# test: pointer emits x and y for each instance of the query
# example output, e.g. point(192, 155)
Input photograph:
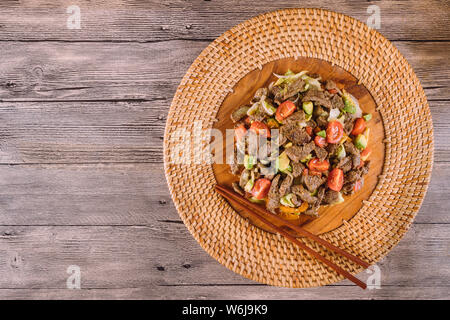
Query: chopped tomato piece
point(357, 186)
point(260, 128)
point(305, 172)
point(315, 173)
point(333, 91)
point(240, 132)
point(285, 110)
point(319, 141)
point(336, 179)
point(366, 153)
point(261, 188)
point(309, 130)
point(319, 166)
point(335, 131)
point(358, 128)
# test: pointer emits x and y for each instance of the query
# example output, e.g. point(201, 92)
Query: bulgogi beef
point(322, 142)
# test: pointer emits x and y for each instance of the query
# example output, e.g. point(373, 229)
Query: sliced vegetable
point(361, 142)
point(336, 179)
point(254, 200)
point(351, 104)
point(240, 132)
point(249, 161)
point(365, 154)
point(287, 200)
point(268, 108)
point(272, 123)
point(260, 128)
point(317, 165)
point(253, 109)
point(335, 131)
point(261, 188)
point(334, 114)
point(312, 82)
point(288, 145)
point(289, 76)
point(367, 116)
point(285, 110)
point(340, 153)
point(297, 211)
point(320, 141)
point(322, 134)
point(309, 130)
point(282, 162)
point(359, 126)
point(308, 107)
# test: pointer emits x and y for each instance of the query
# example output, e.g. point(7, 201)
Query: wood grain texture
point(143, 20)
point(47, 71)
point(81, 177)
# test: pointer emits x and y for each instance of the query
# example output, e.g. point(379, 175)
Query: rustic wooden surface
point(81, 177)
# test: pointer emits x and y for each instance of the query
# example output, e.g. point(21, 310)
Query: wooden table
point(81, 176)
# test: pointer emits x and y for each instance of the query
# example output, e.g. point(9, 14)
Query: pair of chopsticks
point(257, 212)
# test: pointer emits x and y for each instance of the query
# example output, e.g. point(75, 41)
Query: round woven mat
point(389, 211)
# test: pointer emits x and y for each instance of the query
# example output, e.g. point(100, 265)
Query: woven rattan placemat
point(379, 66)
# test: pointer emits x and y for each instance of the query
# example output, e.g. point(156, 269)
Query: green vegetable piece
point(349, 104)
point(249, 161)
point(361, 141)
point(282, 162)
point(315, 193)
point(255, 200)
point(287, 200)
point(322, 134)
point(308, 107)
point(249, 186)
point(268, 108)
point(340, 153)
point(367, 117)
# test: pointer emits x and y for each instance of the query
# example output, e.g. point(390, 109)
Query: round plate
point(374, 64)
point(330, 217)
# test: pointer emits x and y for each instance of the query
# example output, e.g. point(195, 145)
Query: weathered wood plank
point(114, 132)
point(105, 71)
point(143, 20)
point(163, 257)
point(126, 194)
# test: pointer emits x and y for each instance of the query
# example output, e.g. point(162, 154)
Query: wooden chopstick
point(294, 227)
point(250, 208)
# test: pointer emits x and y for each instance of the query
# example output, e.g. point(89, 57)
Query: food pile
point(321, 149)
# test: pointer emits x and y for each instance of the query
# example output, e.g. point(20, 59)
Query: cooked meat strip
point(296, 117)
point(356, 174)
point(318, 97)
point(297, 153)
point(331, 196)
point(267, 171)
point(294, 88)
point(321, 194)
point(297, 169)
point(350, 148)
point(312, 182)
point(303, 194)
point(285, 185)
point(273, 196)
point(322, 122)
point(345, 164)
point(321, 153)
point(348, 188)
point(237, 188)
point(337, 102)
point(295, 134)
point(356, 160)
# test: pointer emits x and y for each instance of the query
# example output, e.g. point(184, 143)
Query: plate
point(230, 69)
